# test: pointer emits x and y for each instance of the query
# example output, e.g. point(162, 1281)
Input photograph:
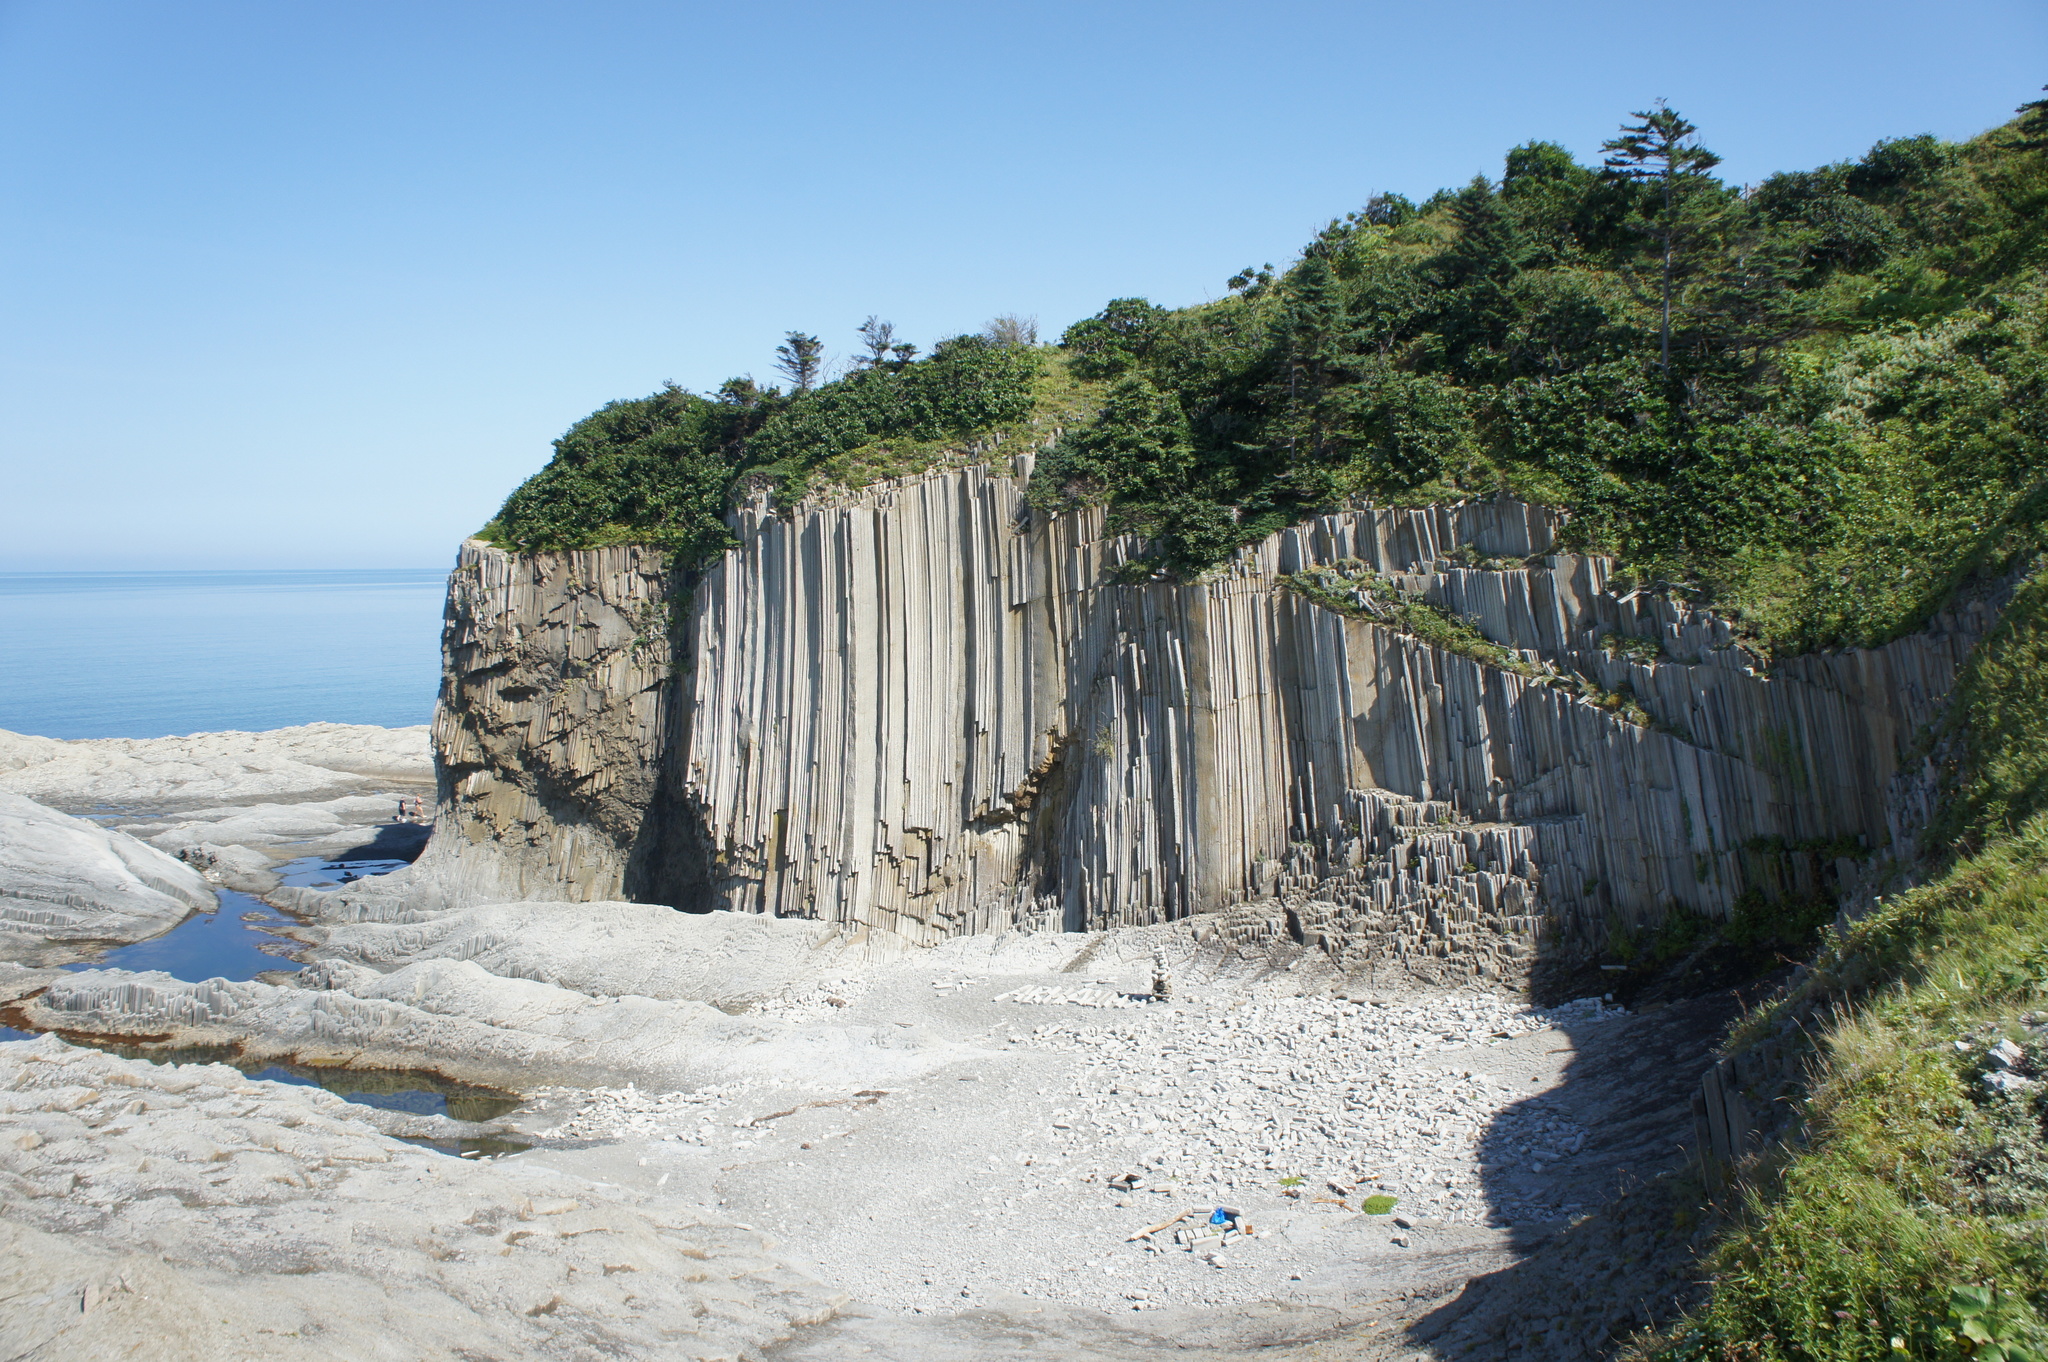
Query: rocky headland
point(1051, 904)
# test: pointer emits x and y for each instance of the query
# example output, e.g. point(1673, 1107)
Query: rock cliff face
point(552, 725)
point(923, 709)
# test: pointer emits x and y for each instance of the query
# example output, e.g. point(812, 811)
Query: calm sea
point(149, 654)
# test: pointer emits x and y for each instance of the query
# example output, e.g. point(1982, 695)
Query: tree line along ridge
point(1818, 403)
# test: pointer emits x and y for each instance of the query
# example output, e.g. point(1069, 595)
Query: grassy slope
point(1913, 1219)
point(1059, 401)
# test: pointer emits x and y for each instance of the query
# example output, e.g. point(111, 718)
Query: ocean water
point(151, 654)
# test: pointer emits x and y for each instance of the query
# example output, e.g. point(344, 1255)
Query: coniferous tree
point(1251, 280)
point(2034, 124)
point(1386, 210)
point(880, 339)
point(800, 357)
point(742, 392)
point(1661, 150)
point(1313, 322)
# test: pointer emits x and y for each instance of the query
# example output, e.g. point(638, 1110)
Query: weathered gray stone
point(312, 761)
point(923, 710)
point(67, 885)
point(190, 1212)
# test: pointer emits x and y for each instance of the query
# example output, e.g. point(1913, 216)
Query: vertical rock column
point(550, 733)
point(877, 700)
point(923, 709)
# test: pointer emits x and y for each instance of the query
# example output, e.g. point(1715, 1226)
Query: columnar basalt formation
point(925, 709)
point(550, 732)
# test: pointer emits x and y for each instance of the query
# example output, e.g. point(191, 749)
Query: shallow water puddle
point(239, 940)
point(409, 1090)
point(228, 943)
point(234, 942)
point(316, 872)
point(421, 1094)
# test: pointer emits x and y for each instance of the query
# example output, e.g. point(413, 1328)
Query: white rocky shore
point(237, 805)
point(312, 761)
point(959, 1148)
point(188, 1212)
point(67, 885)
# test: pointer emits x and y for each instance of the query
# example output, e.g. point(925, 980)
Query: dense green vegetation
point(1910, 1221)
point(662, 470)
point(1819, 401)
point(1844, 416)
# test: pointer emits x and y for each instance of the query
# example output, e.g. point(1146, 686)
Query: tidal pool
point(240, 940)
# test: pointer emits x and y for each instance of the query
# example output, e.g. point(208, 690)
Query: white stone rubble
point(1364, 1093)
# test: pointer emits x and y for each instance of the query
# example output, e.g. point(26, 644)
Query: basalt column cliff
point(923, 709)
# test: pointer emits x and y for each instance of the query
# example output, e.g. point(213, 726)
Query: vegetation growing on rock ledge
point(664, 469)
point(1820, 402)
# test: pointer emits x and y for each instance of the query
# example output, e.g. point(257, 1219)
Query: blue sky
point(294, 284)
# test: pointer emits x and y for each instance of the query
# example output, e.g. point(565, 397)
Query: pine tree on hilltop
point(800, 357)
point(880, 339)
point(1661, 149)
point(2034, 124)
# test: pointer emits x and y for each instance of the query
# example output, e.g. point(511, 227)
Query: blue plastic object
point(1220, 1218)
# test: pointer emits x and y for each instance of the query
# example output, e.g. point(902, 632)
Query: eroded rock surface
point(551, 733)
point(435, 1007)
point(308, 762)
point(187, 1212)
point(68, 885)
point(238, 806)
point(603, 949)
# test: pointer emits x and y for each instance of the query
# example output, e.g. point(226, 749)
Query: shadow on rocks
point(1612, 1231)
point(392, 842)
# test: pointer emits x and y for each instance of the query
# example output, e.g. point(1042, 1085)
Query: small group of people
point(412, 809)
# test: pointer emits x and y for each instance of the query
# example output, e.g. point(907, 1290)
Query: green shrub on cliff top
point(1846, 416)
point(661, 470)
point(651, 471)
point(1854, 414)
